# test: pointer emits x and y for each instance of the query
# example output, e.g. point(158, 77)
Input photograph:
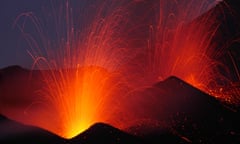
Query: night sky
point(11, 53)
point(13, 47)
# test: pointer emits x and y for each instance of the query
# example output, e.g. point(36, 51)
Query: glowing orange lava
point(81, 97)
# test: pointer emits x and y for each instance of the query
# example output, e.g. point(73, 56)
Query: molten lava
point(81, 97)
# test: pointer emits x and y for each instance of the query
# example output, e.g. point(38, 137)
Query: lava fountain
point(82, 97)
point(83, 83)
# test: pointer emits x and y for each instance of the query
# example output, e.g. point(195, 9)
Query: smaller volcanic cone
point(184, 110)
point(107, 134)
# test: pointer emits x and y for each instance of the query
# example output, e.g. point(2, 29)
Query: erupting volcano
point(110, 62)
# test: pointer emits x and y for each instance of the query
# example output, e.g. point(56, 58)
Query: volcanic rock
point(104, 133)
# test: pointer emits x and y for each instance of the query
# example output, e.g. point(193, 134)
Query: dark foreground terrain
point(190, 116)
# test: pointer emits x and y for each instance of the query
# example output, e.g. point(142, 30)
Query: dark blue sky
point(11, 53)
point(13, 47)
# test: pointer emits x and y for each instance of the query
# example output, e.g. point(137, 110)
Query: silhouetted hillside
point(14, 133)
point(103, 133)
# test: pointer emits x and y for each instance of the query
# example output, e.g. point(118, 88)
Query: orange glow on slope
point(185, 47)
